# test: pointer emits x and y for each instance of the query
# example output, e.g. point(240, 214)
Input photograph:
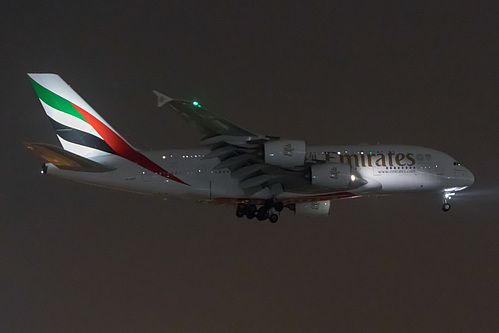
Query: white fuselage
point(386, 168)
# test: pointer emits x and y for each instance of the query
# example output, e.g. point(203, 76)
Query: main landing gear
point(267, 211)
point(447, 197)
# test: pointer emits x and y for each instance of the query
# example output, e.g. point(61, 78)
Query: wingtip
point(162, 98)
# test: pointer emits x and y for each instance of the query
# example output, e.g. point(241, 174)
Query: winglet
point(162, 98)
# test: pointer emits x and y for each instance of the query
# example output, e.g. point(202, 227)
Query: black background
point(76, 258)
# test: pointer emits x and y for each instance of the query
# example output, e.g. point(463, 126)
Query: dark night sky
point(74, 258)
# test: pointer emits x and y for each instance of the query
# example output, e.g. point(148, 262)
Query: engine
point(313, 208)
point(332, 175)
point(285, 153)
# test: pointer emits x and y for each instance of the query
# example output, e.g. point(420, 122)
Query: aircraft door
point(439, 169)
point(201, 172)
point(443, 167)
point(201, 186)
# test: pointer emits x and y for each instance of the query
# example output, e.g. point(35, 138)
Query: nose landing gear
point(447, 197)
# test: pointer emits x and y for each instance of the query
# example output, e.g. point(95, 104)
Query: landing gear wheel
point(261, 217)
point(250, 214)
point(240, 213)
point(262, 214)
point(446, 207)
point(273, 218)
point(278, 206)
point(251, 209)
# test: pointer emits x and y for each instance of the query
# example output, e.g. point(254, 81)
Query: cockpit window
point(457, 163)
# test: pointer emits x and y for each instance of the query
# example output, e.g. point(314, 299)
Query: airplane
point(258, 174)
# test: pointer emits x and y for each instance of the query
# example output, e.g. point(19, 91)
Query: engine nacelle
point(285, 153)
point(331, 175)
point(313, 208)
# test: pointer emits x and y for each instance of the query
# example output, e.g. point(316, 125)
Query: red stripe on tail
point(123, 149)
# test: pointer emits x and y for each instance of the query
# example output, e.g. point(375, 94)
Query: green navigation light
point(195, 103)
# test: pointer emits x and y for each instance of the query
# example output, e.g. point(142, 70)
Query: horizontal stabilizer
point(64, 159)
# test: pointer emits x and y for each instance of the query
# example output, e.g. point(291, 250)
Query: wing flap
point(247, 171)
point(255, 181)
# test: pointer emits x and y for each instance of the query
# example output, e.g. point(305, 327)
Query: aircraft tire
point(251, 209)
point(446, 207)
point(250, 215)
point(240, 213)
point(273, 218)
point(278, 206)
point(262, 214)
point(262, 210)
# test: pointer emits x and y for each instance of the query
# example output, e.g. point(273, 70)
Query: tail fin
point(79, 128)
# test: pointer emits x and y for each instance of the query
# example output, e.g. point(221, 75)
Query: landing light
point(449, 195)
point(352, 177)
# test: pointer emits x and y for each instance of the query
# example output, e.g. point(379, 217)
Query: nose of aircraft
point(468, 177)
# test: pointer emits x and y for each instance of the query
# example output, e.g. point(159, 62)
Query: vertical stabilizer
point(79, 128)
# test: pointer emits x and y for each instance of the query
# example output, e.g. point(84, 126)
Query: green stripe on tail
point(56, 101)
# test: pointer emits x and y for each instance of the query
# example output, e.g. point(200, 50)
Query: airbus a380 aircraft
point(259, 174)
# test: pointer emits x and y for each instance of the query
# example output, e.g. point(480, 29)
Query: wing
point(208, 122)
point(242, 152)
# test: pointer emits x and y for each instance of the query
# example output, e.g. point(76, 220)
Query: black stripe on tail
point(80, 137)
